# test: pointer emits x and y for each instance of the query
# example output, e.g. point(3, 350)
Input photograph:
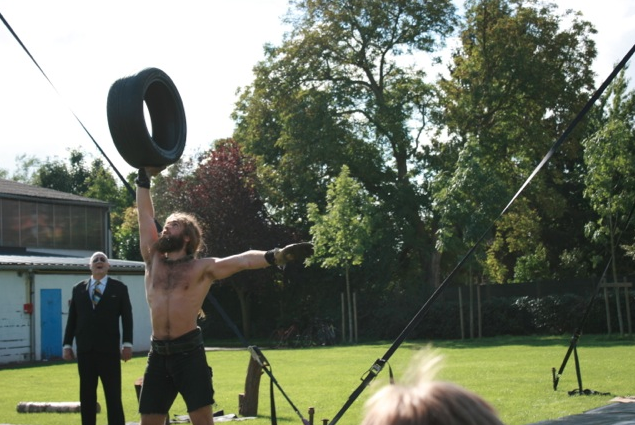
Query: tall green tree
point(609, 155)
point(342, 234)
point(521, 73)
point(345, 87)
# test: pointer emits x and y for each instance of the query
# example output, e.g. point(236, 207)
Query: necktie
point(96, 293)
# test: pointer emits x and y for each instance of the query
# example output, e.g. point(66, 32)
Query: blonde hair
point(422, 401)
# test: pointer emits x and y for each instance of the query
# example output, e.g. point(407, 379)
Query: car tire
point(127, 123)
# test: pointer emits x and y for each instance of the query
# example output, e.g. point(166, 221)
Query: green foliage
point(335, 93)
point(342, 233)
point(609, 156)
point(610, 159)
point(515, 80)
point(126, 237)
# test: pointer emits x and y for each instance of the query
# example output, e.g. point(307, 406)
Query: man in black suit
point(97, 305)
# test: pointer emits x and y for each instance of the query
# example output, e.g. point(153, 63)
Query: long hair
point(192, 230)
point(421, 400)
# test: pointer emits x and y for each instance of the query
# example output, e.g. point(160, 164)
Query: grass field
point(513, 373)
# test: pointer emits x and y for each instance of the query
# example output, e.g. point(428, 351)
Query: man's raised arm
point(148, 233)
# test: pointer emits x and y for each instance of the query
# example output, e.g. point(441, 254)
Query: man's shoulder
point(81, 283)
point(115, 282)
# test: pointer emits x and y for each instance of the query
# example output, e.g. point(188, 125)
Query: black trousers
point(92, 366)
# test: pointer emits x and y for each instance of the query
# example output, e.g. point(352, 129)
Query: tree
point(26, 167)
point(609, 155)
point(344, 88)
point(342, 234)
point(515, 82)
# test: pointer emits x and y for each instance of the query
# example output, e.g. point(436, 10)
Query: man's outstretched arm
point(224, 267)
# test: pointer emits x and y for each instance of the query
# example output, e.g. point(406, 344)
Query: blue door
point(51, 323)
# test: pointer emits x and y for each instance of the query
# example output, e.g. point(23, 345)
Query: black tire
point(127, 124)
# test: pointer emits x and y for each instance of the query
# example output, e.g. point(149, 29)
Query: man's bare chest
point(168, 277)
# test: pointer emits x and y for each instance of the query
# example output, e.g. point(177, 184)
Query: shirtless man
point(176, 283)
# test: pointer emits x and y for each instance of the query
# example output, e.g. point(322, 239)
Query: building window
point(44, 225)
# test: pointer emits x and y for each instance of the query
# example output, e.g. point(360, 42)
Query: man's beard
point(167, 244)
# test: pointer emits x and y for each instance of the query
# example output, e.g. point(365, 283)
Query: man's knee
point(154, 419)
point(202, 416)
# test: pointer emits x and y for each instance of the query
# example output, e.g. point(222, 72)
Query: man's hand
point(145, 174)
point(293, 252)
point(126, 353)
point(153, 171)
point(68, 354)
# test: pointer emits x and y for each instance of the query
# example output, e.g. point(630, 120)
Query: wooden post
point(617, 285)
point(607, 308)
point(343, 318)
point(618, 307)
point(480, 314)
point(355, 314)
point(627, 291)
point(461, 314)
point(248, 402)
point(471, 312)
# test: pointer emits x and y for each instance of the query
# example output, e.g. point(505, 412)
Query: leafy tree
point(126, 237)
point(344, 88)
point(515, 82)
point(609, 155)
point(57, 175)
point(342, 234)
point(26, 167)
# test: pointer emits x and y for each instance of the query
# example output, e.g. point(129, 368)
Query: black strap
point(274, 418)
point(379, 364)
point(258, 356)
point(578, 331)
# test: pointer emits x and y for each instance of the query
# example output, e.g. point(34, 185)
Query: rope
point(124, 181)
point(379, 363)
point(260, 357)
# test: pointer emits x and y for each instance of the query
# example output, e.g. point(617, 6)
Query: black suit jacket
point(98, 328)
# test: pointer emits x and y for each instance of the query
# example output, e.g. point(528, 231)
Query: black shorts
point(186, 373)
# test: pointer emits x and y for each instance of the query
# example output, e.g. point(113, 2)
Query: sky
point(207, 47)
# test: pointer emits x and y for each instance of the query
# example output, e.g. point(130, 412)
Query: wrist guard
point(270, 256)
point(142, 179)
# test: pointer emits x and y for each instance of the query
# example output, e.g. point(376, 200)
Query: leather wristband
point(142, 179)
point(270, 256)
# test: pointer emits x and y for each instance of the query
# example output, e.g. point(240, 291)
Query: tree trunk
point(248, 402)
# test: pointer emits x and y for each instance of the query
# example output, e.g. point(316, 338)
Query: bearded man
point(177, 282)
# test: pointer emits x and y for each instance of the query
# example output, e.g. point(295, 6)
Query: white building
point(34, 299)
point(46, 240)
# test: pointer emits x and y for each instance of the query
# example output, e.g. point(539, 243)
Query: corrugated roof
point(17, 190)
point(19, 262)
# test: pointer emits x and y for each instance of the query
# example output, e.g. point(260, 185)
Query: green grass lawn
point(513, 373)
